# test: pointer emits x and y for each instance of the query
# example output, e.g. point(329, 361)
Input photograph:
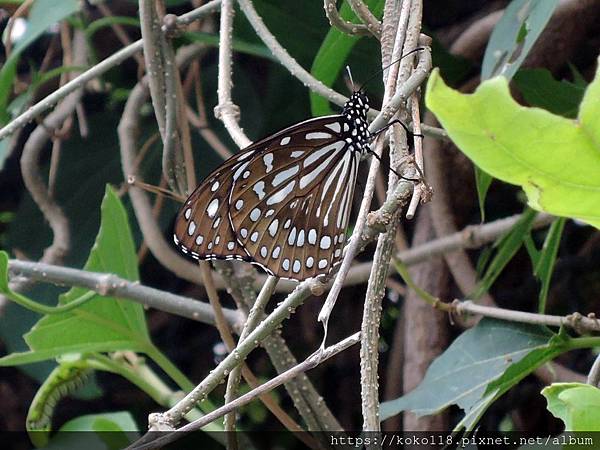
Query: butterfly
point(282, 203)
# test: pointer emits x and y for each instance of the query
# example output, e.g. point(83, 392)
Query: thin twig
point(344, 26)
point(310, 363)
point(366, 16)
point(198, 13)
point(369, 344)
point(176, 172)
point(574, 321)
point(120, 32)
point(418, 144)
point(226, 110)
point(307, 400)
point(284, 57)
point(30, 166)
point(94, 72)
point(227, 338)
point(200, 122)
point(279, 314)
point(407, 34)
point(234, 377)
point(153, 51)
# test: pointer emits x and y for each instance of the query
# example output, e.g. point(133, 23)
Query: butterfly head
point(357, 106)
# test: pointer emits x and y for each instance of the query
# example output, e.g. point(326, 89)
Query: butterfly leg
point(393, 122)
point(414, 180)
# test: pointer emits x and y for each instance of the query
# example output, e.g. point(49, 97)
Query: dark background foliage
point(271, 99)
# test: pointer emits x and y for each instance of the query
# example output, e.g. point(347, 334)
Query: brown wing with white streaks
point(292, 218)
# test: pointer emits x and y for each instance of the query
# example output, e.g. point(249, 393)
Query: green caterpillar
point(62, 381)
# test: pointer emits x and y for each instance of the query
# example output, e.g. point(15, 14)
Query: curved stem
point(40, 308)
point(169, 368)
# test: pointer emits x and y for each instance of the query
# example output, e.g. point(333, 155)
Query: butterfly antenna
point(418, 49)
point(351, 79)
point(133, 181)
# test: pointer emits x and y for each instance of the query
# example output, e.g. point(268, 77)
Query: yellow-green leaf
point(554, 159)
point(576, 404)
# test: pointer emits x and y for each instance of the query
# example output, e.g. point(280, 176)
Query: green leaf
point(92, 162)
point(576, 404)
point(534, 253)
point(479, 366)
point(510, 42)
point(554, 159)
point(482, 182)
point(332, 55)
point(540, 89)
point(514, 35)
point(117, 421)
point(43, 14)
point(545, 265)
point(103, 323)
point(106, 431)
point(4, 150)
point(506, 247)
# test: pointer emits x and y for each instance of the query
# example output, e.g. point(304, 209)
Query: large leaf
point(103, 323)
point(514, 35)
point(554, 159)
point(510, 42)
point(479, 366)
point(576, 404)
point(85, 168)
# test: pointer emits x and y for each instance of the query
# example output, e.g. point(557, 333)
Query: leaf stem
point(169, 368)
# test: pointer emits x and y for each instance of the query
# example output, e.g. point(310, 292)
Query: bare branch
point(366, 16)
point(226, 110)
point(310, 363)
point(307, 400)
point(30, 165)
point(108, 284)
point(266, 327)
point(343, 25)
point(284, 57)
point(94, 72)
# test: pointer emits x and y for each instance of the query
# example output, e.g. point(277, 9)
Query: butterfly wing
point(290, 206)
point(282, 203)
point(202, 227)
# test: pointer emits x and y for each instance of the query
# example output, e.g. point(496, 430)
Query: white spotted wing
point(292, 218)
point(283, 202)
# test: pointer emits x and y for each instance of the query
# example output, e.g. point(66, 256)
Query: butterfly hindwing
point(202, 228)
point(292, 218)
